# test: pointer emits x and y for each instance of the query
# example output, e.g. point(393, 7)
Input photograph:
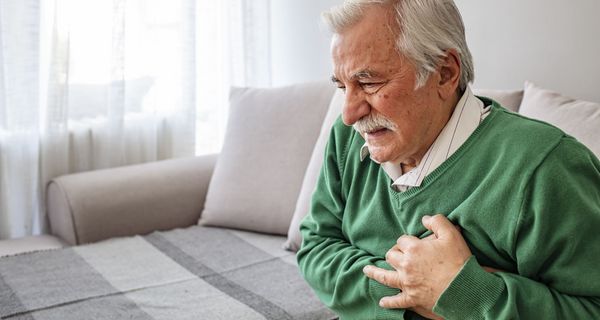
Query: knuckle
point(391, 255)
point(396, 303)
point(438, 218)
point(411, 247)
point(404, 301)
point(384, 278)
point(404, 265)
point(403, 237)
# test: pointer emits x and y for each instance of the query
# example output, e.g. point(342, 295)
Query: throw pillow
point(312, 173)
point(578, 118)
point(510, 99)
point(268, 143)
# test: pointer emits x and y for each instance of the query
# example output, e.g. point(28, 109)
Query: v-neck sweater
point(527, 199)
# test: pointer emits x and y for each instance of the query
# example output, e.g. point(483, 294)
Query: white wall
point(554, 43)
point(300, 41)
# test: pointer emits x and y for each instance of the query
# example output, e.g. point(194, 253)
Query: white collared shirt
point(468, 114)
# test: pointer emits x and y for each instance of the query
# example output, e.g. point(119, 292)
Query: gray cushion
point(311, 176)
point(269, 140)
point(510, 99)
point(578, 118)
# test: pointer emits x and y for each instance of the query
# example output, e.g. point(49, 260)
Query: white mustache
point(373, 122)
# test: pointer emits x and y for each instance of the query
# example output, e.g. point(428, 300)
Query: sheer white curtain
point(234, 49)
point(19, 99)
point(90, 84)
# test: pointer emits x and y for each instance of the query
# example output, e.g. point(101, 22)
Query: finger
point(406, 242)
point(399, 301)
point(433, 236)
point(430, 237)
point(385, 277)
point(394, 256)
point(439, 225)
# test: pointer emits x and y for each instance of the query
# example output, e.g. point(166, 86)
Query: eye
point(371, 87)
point(338, 84)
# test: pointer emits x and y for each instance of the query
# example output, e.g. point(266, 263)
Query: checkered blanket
point(193, 273)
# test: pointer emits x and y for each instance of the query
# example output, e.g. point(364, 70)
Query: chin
point(379, 155)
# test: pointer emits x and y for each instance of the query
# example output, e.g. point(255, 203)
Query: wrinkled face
point(379, 84)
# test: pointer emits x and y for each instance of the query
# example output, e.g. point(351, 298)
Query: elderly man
point(438, 203)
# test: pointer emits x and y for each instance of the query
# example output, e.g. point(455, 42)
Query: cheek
point(396, 107)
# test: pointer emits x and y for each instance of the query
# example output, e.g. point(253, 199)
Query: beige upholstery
point(311, 176)
point(28, 244)
point(509, 99)
point(270, 137)
point(139, 199)
point(578, 118)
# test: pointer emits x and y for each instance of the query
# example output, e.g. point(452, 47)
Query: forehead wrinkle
point(364, 74)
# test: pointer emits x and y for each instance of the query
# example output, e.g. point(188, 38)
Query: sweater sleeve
point(556, 248)
point(328, 261)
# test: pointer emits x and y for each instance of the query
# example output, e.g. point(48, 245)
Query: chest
point(375, 215)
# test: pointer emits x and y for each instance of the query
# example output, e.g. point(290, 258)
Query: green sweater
point(526, 196)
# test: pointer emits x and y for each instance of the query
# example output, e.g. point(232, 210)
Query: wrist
point(471, 293)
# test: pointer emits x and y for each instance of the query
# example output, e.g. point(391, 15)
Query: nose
point(355, 106)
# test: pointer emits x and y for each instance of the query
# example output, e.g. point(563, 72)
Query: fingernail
point(426, 218)
point(366, 269)
point(381, 303)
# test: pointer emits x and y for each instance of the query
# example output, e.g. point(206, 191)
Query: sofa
point(207, 237)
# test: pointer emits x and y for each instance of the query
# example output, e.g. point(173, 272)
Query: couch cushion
point(269, 140)
point(510, 99)
point(29, 244)
point(312, 173)
point(578, 118)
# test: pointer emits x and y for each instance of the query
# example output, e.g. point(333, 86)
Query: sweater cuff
point(378, 291)
point(471, 294)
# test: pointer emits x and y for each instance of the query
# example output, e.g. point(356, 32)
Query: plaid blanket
point(193, 273)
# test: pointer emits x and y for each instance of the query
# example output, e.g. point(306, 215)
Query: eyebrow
point(362, 74)
point(365, 74)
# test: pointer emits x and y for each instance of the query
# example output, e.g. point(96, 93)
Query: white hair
point(428, 28)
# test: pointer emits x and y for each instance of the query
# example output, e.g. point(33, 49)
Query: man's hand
point(423, 267)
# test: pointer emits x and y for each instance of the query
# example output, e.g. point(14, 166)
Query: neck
point(406, 167)
point(437, 126)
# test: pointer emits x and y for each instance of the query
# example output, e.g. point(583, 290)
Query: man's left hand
point(423, 267)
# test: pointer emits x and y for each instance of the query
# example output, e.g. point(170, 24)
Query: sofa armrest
point(97, 205)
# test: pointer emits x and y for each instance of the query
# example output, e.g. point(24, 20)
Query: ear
point(449, 71)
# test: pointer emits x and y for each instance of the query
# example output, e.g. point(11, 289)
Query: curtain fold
point(19, 101)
